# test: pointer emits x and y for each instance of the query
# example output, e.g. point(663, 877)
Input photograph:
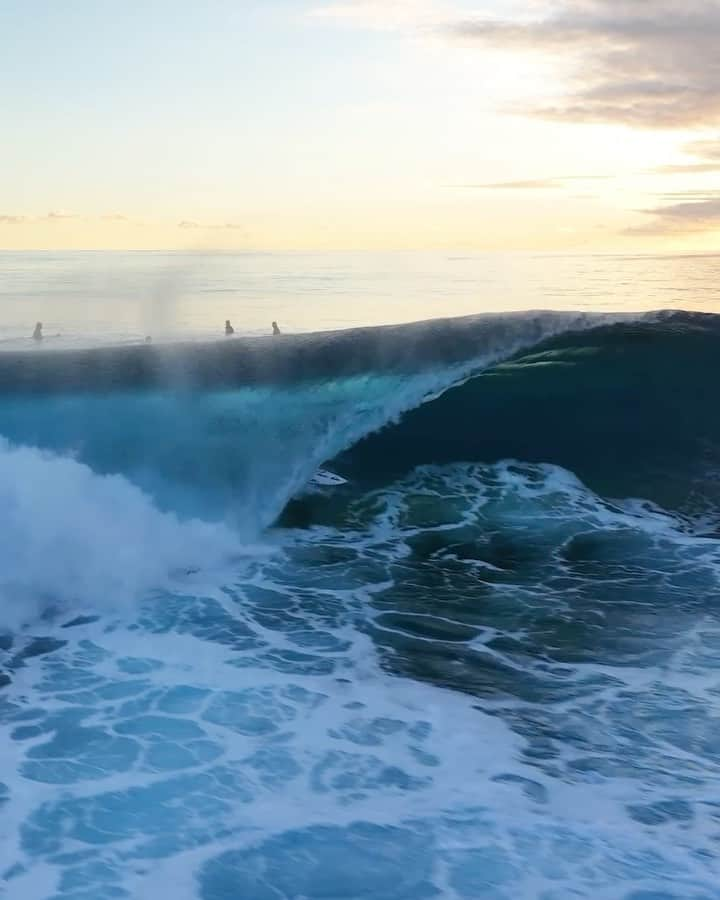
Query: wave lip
point(289, 359)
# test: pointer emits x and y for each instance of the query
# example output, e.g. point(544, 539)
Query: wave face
point(484, 667)
point(234, 429)
point(630, 408)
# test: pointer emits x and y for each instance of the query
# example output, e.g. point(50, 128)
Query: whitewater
point(484, 667)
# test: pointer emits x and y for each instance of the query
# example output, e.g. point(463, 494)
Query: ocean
point(486, 665)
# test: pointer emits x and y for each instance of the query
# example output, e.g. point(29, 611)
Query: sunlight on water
point(98, 297)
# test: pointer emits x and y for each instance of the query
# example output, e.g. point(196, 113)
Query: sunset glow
point(503, 125)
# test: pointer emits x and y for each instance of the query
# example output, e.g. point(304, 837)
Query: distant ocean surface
point(486, 664)
point(106, 297)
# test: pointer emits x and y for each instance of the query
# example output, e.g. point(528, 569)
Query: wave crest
point(73, 539)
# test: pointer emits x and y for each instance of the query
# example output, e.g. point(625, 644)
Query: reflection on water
point(113, 297)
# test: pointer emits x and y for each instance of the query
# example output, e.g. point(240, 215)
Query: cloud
point(686, 195)
point(24, 220)
point(689, 211)
point(228, 226)
point(533, 184)
point(232, 226)
point(57, 216)
point(644, 63)
point(688, 168)
point(706, 151)
point(687, 217)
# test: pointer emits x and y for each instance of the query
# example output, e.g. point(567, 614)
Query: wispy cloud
point(676, 196)
point(230, 226)
point(26, 220)
point(54, 216)
point(59, 217)
point(682, 218)
point(646, 64)
point(688, 168)
point(532, 184)
point(688, 211)
point(707, 154)
point(706, 149)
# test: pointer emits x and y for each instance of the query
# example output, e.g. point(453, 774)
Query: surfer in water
point(37, 334)
point(228, 328)
point(275, 328)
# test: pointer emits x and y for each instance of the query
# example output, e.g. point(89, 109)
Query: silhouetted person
point(37, 334)
point(275, 328)
point(228, 328)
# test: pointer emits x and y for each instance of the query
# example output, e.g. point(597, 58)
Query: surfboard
point(325, 478)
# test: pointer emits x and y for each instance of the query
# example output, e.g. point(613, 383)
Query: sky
point(559, 125)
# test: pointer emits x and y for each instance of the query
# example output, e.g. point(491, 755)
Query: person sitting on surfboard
point(228, 328)
point(275, 328)
point(37, 334)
